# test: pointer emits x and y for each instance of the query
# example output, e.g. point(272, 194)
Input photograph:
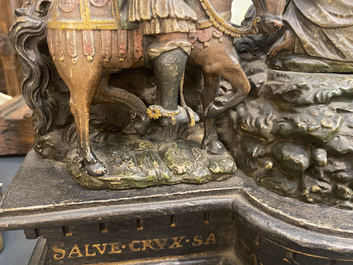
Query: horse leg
point(108, 94)
point(82, 89)
point(284, 43)
point(228, 67)
point(210, 141)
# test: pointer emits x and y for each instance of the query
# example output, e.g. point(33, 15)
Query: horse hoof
point(96, 169)
point(214, 147)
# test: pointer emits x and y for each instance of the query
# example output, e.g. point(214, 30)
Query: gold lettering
point(197, 241)
point(101, 250)
point(161, 242)
point(133, 247)
point(59, 253)
point(177, 242)
point(75, 251)
point(115, 248)
point(211, 239)
point(87, 251)
point(147, 244)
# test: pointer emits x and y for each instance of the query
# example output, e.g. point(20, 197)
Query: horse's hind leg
point(82, 86)
point(228, 67)
point(210, 141)
point(109, 94)
point(285, 43)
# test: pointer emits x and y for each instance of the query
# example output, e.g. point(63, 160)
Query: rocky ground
point(294, 134)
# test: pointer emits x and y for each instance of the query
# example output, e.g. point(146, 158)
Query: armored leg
point(169, 68)
point(170, 57)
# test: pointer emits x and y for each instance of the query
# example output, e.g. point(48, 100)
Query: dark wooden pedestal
point(188, 224)
point(229, 222)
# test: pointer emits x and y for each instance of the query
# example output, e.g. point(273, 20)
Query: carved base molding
point(227, 222)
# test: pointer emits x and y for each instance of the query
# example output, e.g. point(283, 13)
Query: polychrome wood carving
point(90, 40)
point(136, 93)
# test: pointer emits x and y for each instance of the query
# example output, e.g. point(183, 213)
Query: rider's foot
point(182, 115)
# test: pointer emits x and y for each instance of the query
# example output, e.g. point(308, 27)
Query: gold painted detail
point(206, 23)
point(191, 116)
point(221, 24)
point(121, 45)
point(172, 115)
point(86, 22)
point(77, 251)
point(306, 254)
point(155, 112)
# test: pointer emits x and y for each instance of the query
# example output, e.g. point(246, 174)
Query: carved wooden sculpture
point(89, 40)
point(179, 86)
point(319, 34)
point(294, 134)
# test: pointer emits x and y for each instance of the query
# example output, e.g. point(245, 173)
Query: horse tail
point(28, 35)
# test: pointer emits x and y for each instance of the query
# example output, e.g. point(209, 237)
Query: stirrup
point(191, 115)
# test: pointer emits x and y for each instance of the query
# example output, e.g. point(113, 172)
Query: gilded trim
point(86, 22)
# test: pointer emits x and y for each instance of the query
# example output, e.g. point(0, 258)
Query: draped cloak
point(162, 16)
point(324, 28)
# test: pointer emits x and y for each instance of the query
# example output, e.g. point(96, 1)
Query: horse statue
point(88, 40)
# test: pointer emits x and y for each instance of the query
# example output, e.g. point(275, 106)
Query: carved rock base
point(134, 162)
point(294, 134)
